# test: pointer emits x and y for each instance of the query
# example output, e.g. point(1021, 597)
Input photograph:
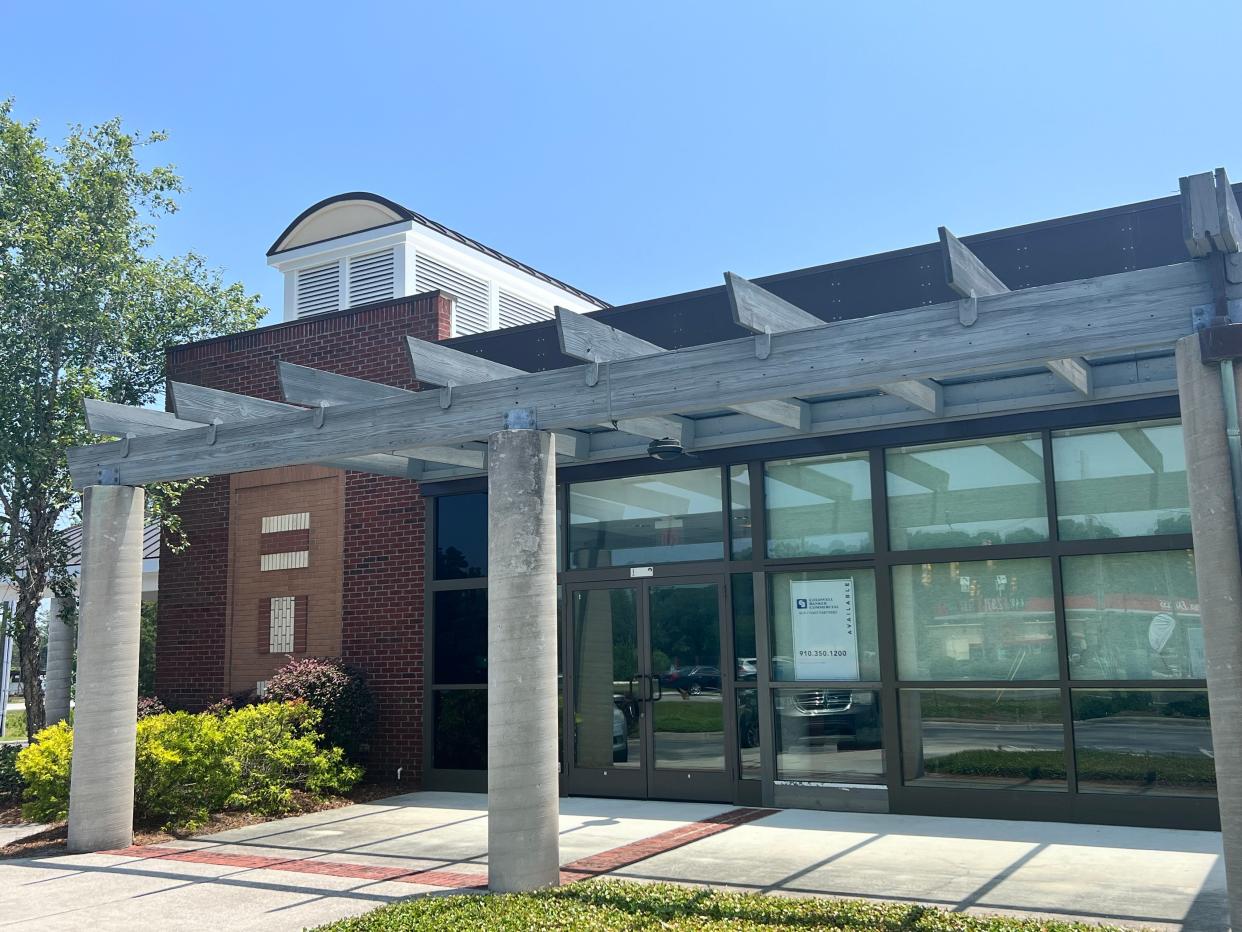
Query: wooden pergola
point(989, 352)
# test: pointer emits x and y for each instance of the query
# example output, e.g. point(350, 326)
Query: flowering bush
point(337, 691)
point(150, 705)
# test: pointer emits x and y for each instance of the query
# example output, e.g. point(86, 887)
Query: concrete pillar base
point(101, 790)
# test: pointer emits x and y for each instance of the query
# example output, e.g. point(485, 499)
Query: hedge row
point(606, 905)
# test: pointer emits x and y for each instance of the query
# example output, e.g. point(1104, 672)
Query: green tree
point(86, 311)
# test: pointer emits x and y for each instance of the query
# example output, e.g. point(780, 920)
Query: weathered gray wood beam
point(107, 417)
point(922, 393)
point(1200, 214)
point(966, 274)
point(758, 310)
point(1228, 236)
point(963, 270)
point(1144, 309)
point(434, 364)
point(316, 388)
point(1076, 371)
point(591, 340)
point(199, 405)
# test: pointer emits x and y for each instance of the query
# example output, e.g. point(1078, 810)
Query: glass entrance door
point(649, 695)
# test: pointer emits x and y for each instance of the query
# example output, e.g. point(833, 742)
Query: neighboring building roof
point(1119, 239)
point(150, 543)
point(399, 214)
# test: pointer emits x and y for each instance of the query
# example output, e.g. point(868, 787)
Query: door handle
point(632, 684)
point(656, 685)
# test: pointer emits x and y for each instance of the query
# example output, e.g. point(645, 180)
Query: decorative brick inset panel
point(284, 541)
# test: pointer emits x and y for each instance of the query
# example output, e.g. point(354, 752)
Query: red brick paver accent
point(582, 869)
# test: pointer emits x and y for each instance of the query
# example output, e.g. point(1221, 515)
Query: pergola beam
point(316, 388)
point(593, 341)
point(210, 407)
point(758, 310)
point(1122, 313)
point(967, 275)
point(433, 364)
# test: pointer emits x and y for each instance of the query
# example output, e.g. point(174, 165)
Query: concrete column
point(60, 638)
point(1219, 576)
point(101, 790)
point(523, 845)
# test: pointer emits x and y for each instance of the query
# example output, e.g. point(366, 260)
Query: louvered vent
point(470, 313)
point(319, 289)
point(371, 278)
point(515, 310)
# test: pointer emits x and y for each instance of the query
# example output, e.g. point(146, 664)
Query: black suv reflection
point(853, 713)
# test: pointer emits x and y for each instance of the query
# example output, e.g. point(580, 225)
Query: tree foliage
point(86, 311)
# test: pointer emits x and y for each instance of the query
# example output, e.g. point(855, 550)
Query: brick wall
point(384, 526)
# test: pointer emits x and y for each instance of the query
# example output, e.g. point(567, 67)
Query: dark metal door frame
point(647, 780)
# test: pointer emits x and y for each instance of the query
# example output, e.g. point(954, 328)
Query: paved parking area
point(311, 869)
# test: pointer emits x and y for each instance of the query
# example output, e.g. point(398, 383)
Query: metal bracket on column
point(520, 419)
point(109, 476)
point(968, 310)
point(763, 343)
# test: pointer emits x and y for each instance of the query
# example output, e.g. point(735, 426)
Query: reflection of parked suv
point(832, 712)
point(692, 680)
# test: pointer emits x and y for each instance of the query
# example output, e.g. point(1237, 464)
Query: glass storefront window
point(968, 494)
point(662, 518)
point(460, 635)
point(747, 701)
point(818, 506)
point(740, 524)
point(745, 653)
point(461, 536)
point(460, 728)
point(983, 620)
point(1153, 742)
point(824, 625)
point(1133, 616)
point(1011, 738)
point(1122, 481)
point(828, 735)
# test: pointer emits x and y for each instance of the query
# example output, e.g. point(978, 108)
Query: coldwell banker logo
point(802, 603)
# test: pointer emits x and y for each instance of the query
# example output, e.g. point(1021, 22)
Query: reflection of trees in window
point(461, 729)
point(980, 620)
point(451, 563)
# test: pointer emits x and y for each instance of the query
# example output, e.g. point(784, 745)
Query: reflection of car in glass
point(747, 668)
point(620, 744)
point(692, 681)
point(833, 712)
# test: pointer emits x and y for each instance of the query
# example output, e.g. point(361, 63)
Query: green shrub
point(615, 906)
point(273, 749)
point(44, 768)
point(10, 779)
point(179, 775)
point(187, 766)
point(339, 692)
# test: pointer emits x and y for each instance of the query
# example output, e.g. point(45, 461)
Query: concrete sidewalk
point(311, 869)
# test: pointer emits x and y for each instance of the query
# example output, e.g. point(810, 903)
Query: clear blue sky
point(639, 149)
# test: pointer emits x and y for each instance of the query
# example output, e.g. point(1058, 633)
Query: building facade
point(978, 614)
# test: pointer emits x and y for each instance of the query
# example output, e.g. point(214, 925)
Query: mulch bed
point(52, 841)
